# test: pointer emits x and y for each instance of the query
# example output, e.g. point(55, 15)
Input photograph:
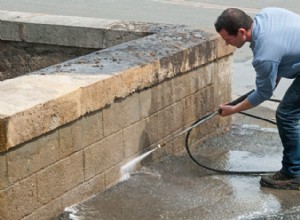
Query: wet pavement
point(176, 188)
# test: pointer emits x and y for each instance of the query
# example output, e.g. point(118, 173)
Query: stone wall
point(67, 130)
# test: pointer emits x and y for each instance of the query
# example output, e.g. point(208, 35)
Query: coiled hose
point(200, 120)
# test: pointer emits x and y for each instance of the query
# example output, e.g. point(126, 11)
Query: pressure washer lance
point(202, 120)
point(205, 118)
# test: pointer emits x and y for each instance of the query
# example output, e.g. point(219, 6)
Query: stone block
point(140, 136)
point(4, 121)
point(49, 210)
point(205, 52)
point(165, 94)
point(186, 84)
point(113, 176)
point(81, 133)
point(170, 119)
point(101, 91)
point(148, 102)
point(18, 126)
point(204, 130)
point(32, 157)
point(11, 31)
point(211, 105)
point(84, 191)
point(149, 74)
point(63, 35)
point(195, 106)
point(221, 48)
point(70, 139)
point(103, 155)
point(167, 67)
point(91, 128)
point(157, 98)
point(19, 199)
point(121, 114)
point(59, 178)
point(222, 81)
point(130, 80)
point(206, 74)
point(4, 182)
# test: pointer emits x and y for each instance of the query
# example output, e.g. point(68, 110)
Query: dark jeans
point(288, 118)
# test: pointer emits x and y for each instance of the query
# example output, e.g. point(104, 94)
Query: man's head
point(234, 26)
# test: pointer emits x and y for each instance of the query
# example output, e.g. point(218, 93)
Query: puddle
point(243, 148)
point(247, 196)
point(240, 161)
point(243, 160)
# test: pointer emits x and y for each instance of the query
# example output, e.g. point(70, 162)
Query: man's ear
point(242, 31)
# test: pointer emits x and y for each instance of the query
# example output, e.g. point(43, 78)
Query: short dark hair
point(232, 19)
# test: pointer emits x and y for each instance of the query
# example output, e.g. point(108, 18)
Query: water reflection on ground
point(176, 188)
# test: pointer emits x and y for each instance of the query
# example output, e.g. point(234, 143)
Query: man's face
point(236, 41)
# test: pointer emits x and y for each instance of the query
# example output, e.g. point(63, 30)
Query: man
point(274, 36)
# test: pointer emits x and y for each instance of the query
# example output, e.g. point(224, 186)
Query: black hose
point(218, 170)
point(257, 117)
point(198, 122)
point(225, 171)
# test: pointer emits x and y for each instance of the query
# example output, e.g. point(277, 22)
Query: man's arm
point(229, 110)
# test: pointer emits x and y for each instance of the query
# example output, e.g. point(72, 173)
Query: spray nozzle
point(161, 145)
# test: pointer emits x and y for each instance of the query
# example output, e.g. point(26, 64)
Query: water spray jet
point(127, 169)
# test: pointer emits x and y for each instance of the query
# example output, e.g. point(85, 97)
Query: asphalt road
point(191, 12)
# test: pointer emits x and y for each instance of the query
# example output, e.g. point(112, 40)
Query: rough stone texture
point(121, 114)
point(59, 178)
point(140, 136)
point(18, 58)
point(32, 157)
point(44, 212)
point(3, 172)
point(67, 130)
point(19, 199)
point(85, 190)
point(103, 155)
point(81, 133)
point(113, 175)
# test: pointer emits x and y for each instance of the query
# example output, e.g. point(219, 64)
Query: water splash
point(73, 213)
point(127, 169)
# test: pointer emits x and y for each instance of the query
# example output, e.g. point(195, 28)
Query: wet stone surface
point(176, 188)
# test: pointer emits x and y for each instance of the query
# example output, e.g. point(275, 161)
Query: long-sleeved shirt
point(276, 50)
